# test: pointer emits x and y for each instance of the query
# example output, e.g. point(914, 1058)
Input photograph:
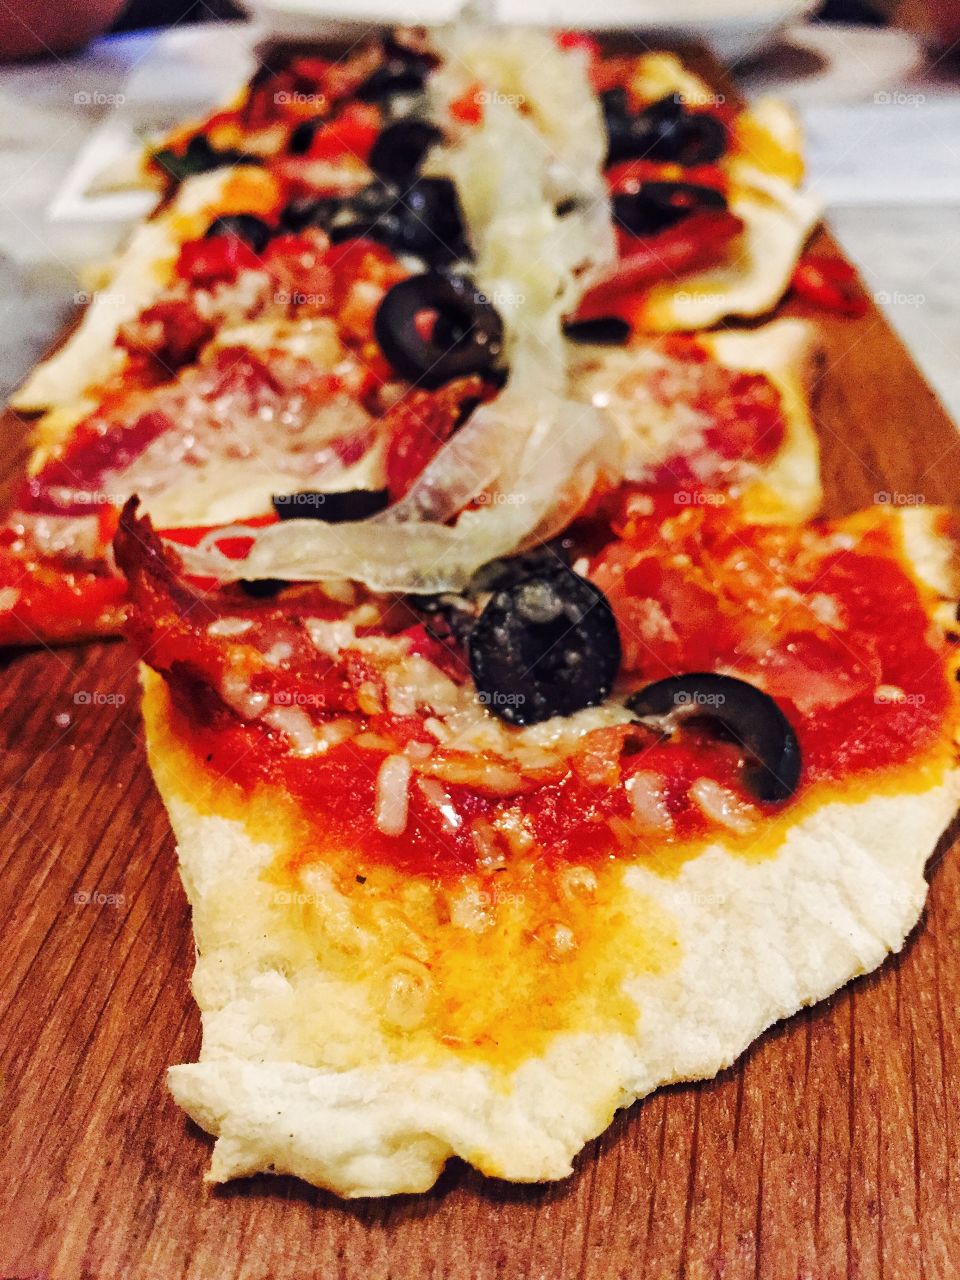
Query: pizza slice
point(280, 342)
point(710, 221)
point(470, 872)
point(316, 113)
point(715, 415)
point(272, 347)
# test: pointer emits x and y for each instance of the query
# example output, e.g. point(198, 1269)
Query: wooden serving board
point(831, 1149)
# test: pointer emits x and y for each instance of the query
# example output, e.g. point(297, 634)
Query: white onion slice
point(532, 457)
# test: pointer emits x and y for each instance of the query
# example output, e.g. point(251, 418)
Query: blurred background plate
point(732, 29)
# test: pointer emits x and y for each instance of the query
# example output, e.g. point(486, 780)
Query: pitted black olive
point(244, 226)
point(748, 714)
point(309, 212)
point(301, 140)
point(262, 588)
point(545, 646)
point(605, 331)
point(425, 220)
point(399, 150)
point(466, 335)
point(662, 131)
point(623, 142)
point(402, 71)
point(659, 205)
point(701, 139)
point(434, 226)
point(200, 157)
point(497, 575)
point(453, 615)
point(679, 136)
point(331, 508)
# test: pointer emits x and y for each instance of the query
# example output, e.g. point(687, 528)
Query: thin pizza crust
point(764, 170)
point(65, 381)
point(743, 940)
point(778, 220)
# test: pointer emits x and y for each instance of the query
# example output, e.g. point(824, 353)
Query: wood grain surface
point(831, 1149)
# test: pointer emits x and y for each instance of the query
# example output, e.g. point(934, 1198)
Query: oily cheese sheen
point(788, 353)
point(297, 1073)
point(89, 356)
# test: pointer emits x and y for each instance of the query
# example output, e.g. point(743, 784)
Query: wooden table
point(831, 1149)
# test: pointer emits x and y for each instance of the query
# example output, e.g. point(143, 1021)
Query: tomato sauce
point(867, 692)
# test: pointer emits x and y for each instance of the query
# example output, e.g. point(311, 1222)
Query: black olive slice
point(466, 336)
point(702, 140)
point(301, 140)
point(433, 225)
point(402, 71)
point(245, 226)
point(662, 131)
point(659, 205)
point(451, 616)
point(622, 143)
point(604, 331)
point(309, 212)
point(746, 712)
point(425, 221)
point(262, 588)
point(398, 152)
point(331, 508)
point(497, 575)
point(545, 646)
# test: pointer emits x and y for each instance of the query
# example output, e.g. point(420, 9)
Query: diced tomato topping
point(468, 108)
point(215, 260)
point(579, 40)
point(353, 133)
point(829, 283)
point(171, 332)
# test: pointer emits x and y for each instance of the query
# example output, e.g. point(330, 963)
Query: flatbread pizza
point(468, 884)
